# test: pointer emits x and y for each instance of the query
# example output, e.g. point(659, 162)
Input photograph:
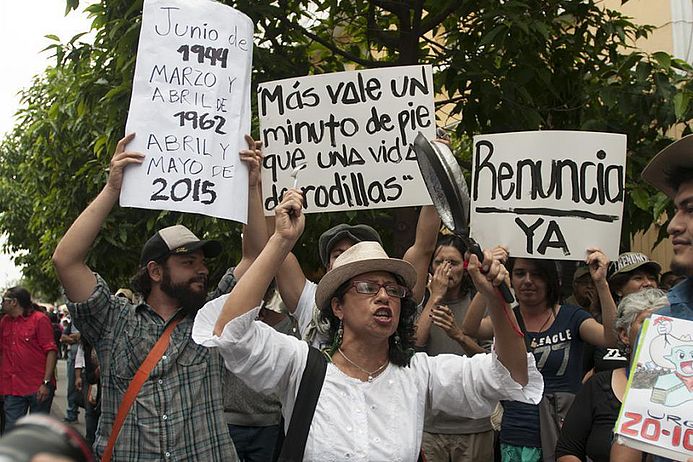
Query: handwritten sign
point(354, 131)
point(190, 108)
point(658, 402)
point(548, 194)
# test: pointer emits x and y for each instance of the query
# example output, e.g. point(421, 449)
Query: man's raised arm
point(255, 231)
point(70, 254)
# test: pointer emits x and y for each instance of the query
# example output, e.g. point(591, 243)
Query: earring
point(398, 341)
point(337, 340)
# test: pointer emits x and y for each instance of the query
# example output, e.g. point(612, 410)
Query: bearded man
point(178, 413)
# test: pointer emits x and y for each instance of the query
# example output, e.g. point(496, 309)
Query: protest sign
point(548, 194)
point(657, 411)
point(190, 108)
point(354, 132)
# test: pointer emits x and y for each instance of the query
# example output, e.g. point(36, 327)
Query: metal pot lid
point(445, 183)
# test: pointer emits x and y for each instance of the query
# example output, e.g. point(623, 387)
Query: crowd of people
point(383, 359)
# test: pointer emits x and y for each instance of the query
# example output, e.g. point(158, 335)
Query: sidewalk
point(60, 399)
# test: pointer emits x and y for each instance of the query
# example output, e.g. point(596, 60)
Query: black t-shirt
point(587, 429)
point(603, 359)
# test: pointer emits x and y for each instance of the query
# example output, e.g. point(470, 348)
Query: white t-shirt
point(363, 421)
point(308, 318)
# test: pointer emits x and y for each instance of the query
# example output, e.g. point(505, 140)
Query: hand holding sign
point(598, 264)
point(121, 159)
point(253, 159)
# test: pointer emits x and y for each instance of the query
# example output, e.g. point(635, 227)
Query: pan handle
point(503, 287)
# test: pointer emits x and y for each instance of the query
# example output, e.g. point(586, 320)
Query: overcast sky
point(23, 25)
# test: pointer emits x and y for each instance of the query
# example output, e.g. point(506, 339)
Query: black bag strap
point(521, 324)
point(294, 443)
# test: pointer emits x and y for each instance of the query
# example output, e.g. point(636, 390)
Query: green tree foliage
point(504, 66)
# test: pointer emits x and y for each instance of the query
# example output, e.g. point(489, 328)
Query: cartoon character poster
point(657, 414)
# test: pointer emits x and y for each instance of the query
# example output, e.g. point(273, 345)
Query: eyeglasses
point(8, 299)
point(372, 288)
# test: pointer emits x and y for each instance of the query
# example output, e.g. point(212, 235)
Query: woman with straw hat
point(376, 391)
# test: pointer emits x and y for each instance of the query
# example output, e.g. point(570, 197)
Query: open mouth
point(383, 314)
point(687, 367)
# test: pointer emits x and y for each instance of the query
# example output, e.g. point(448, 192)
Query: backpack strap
point(293, 444)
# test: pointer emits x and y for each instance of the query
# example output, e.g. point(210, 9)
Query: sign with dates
point(657, 413)
point(190, 108)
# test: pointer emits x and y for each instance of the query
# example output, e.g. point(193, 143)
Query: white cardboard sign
point(354, 131)
point(548, 194)
point(190, 108)
point(658, 402)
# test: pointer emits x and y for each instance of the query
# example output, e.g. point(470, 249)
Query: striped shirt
point(178, 414)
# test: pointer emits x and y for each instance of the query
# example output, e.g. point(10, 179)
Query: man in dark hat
point(671, 171)
point(178, 412)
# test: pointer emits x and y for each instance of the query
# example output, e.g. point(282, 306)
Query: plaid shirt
point(179, 413)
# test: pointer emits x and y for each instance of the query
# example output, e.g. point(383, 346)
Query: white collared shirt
point(380, 420)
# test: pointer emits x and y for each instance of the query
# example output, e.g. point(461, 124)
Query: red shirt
point(24, 346)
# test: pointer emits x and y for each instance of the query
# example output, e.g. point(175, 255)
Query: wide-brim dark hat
point(176, 240)
point(363, 257)
point(355, 233)
point(676, 156)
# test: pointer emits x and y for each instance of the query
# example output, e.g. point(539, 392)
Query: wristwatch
point(47, 383)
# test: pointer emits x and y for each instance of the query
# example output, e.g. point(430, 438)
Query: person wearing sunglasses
point(376, 391)
point(28, 354)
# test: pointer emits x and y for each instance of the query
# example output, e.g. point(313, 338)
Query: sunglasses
point(371, 288)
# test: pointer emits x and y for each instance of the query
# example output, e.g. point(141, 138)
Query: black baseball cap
point(176, 240)
point(356, 233)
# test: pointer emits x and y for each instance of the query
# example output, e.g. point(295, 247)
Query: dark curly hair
point(399, 353)
point(141, 283)
point(548, 271)
point(677, 176)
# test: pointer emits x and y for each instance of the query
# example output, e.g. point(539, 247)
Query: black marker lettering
point(529, 232)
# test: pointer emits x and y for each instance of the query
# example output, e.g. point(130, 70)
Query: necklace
point(541, 329)
point(370, 374)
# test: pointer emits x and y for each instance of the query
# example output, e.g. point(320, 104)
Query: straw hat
point(364, 257)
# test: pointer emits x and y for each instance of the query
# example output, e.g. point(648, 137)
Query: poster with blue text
point(190, 108)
